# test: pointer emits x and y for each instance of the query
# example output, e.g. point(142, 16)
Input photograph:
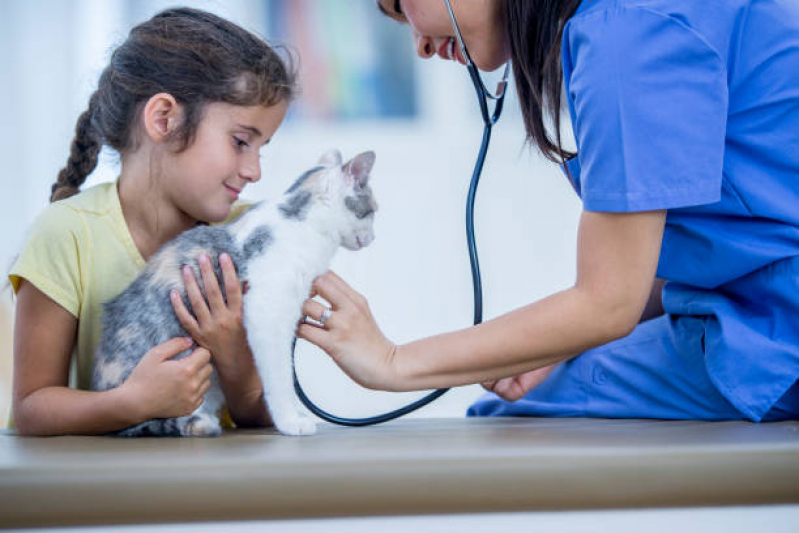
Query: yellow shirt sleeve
point(51, 257)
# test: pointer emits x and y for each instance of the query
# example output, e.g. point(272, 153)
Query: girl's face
point(204, 180)
point(481, 22)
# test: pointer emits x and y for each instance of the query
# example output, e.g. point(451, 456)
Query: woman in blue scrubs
point(686, 303)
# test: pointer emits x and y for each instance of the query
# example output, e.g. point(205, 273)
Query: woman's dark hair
point(198, 58)
point(535, 30)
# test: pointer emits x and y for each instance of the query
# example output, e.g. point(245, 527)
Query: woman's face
point(481, 22)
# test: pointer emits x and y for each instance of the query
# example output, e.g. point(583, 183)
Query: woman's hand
point(516, 387)
point(350, 334)
point(160, 387)
point(217, 325)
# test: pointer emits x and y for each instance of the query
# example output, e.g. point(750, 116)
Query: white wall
point(416, 274)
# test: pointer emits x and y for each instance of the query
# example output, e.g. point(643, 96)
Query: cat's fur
point(278, 248)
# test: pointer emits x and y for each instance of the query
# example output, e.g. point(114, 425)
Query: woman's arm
point(43, 404)
point(654, 306)
point(616, 263)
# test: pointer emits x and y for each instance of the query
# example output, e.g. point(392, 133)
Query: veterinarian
point(188, 138)
point(686, 302)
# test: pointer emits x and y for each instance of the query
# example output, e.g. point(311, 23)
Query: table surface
point(412, 466)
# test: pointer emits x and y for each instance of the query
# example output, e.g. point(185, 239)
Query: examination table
point(407, 467)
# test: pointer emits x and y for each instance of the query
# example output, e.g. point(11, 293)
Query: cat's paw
point(296, 426)
point(201, 426)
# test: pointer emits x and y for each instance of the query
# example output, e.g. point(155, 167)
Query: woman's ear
point(161, 113)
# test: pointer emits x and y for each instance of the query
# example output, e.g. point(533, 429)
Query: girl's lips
point(232, 191)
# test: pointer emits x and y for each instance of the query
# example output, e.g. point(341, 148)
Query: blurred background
point(363, 89)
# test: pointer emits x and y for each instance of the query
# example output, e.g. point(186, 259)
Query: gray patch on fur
point(296, 206)
point(361, 204)
point(142, 315)
point(299, 181)
point(257, 242)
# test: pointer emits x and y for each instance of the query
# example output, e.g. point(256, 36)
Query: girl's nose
point(424, 46)
point(251, 169)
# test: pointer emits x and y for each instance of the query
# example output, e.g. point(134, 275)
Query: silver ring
point(325, 316)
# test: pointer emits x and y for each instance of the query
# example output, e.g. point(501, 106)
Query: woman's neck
point(151, 218)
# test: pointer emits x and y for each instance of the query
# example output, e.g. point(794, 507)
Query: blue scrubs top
point(694, 107)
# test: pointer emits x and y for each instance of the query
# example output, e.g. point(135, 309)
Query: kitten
point(278, 248)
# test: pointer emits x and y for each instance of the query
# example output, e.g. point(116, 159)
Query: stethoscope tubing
point(477, 286)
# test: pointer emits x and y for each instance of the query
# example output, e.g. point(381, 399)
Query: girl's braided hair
point(195, 56)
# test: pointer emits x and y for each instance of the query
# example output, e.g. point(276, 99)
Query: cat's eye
point(398, 8)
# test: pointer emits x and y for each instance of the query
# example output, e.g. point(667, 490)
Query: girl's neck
point(151, 219)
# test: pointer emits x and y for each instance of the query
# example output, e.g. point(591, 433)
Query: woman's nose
point(424, 46)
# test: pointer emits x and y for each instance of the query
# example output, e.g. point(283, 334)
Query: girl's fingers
point(211, 284)
point(198, 359)
point(184, 316)
point(195, 295)
point(231, 281)
point(204, 388)
point(205, 372)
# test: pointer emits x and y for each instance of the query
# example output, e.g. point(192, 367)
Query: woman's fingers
point(315, 335)
point(344, 288)
point(329, 289)
point(211, 284)
point(233, 289)
point(314, 309)
point(195, 295)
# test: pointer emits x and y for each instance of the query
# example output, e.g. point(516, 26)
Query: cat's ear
point(331, 158)
point(358, 168)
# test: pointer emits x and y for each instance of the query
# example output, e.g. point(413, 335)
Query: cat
point(278, 249)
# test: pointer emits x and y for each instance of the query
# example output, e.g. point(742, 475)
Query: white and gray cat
point(278, 248)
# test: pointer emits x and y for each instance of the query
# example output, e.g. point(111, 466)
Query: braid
point(83, 156)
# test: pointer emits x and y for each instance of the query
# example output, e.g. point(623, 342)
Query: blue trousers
point(642, 375)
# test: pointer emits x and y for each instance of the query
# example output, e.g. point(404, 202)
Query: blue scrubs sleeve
point(648, 98)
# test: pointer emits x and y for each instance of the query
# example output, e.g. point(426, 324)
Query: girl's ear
point(358, 168)
point(331, 158)
point(160, 116)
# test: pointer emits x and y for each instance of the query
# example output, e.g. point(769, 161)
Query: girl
point(187, 101)
point(686, 302)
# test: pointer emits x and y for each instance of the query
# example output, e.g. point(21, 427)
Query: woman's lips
point(450, 50)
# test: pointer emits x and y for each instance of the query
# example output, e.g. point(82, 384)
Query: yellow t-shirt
point(79, 252)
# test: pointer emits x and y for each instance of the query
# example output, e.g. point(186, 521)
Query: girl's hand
point(220, 327)
point(160, 387)
point(350, 334)
point(511, 389)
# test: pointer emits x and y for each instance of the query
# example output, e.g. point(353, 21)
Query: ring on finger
point(325, 315)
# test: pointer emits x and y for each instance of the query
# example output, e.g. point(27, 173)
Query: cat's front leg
point(271, 336)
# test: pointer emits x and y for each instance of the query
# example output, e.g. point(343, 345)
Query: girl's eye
point(240, 143)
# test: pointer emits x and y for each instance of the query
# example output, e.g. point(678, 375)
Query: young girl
point(187, 101)
point(685, 115)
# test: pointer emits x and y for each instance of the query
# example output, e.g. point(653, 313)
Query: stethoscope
point(489, 119)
